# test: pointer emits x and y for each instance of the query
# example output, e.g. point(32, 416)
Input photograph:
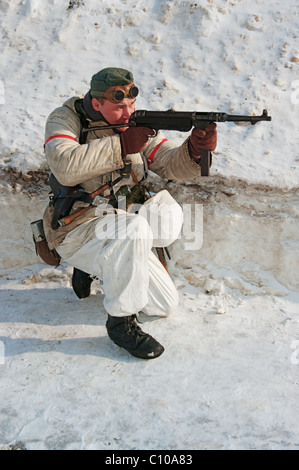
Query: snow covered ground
point(229, 376)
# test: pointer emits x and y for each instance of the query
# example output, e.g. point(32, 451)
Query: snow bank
point(228, 55)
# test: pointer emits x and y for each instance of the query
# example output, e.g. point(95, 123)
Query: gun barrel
point(252, 119)
point(224, 117)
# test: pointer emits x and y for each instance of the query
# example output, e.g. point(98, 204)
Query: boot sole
point(151, 355)
point(135, 353)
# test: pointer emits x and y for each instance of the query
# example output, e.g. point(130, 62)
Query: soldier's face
point(115, 113)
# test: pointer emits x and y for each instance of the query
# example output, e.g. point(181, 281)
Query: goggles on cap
point(117, 93)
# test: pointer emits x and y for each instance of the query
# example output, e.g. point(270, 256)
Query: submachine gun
point(183, 121)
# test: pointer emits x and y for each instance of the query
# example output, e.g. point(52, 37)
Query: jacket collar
point(89, 109)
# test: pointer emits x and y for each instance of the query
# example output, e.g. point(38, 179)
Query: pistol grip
point(205, 155)
point(205, 162)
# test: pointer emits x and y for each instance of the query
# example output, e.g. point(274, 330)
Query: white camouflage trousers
point(117, 248)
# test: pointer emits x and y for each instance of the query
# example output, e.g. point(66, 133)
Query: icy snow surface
point(229, 376)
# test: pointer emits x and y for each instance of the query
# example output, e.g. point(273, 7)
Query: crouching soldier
point(92, 170)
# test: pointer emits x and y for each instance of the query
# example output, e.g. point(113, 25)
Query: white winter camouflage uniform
point(133, 278)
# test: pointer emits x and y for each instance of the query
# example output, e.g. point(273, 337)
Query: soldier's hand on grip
point(205, 139)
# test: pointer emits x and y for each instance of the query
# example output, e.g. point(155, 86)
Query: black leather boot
point(125, 332)
point(81, 282)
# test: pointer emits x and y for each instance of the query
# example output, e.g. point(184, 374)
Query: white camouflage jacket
point(99, 160)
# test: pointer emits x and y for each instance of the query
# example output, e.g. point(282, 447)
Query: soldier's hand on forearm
point(205, 139)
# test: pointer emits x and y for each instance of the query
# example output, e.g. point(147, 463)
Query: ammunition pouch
point(63, 199)
point(50, 257)
point(133, 195)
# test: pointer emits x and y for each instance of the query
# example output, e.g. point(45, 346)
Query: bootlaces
point(133, 328)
